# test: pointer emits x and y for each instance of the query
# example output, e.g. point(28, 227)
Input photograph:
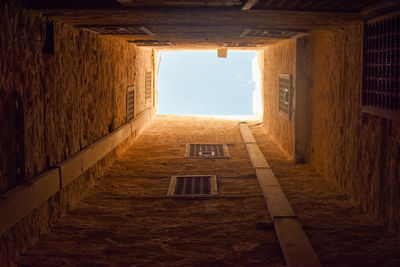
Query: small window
point(285, 95)
point(130, 104)
point(193, 186)
point(48, 47)
point(207, 151)
point(148, 83)
point(381, 70)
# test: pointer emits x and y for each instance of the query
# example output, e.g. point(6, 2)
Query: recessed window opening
point(201, 83)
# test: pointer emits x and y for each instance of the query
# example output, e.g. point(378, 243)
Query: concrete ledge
point(23, 199)
point(246, 134)
point(141, 119)
point(266, 177)
point(277, 203)
point(76, 165)
point(71, 168)
point(256, 156)
point(295, 246)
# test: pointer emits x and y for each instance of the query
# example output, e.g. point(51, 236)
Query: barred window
point(285, 95)
point(381, 70)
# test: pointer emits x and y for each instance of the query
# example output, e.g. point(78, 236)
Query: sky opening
point(200, 83)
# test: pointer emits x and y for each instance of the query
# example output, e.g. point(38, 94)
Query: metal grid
point(130, 104)
point(272, 33)
point(207, 150)
point(381, 74)
point(285, 95)
point(193, 186)
point(118, 29)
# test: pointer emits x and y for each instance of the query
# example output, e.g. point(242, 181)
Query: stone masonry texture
point(70, 98)
point(128, 219)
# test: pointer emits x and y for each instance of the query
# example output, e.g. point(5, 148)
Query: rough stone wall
point(26, 232)
point(69, 99)
point(303, 99)
point(145, 63)
point(72, 97)
point(279, 58)
point(11, 140)
point(358, 151)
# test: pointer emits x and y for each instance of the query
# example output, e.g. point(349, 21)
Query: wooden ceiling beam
point(206, 17)
point(375, 9)
point(125, 2)
point(250, 4)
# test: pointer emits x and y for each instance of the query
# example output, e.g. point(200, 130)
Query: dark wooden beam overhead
point(203, 26)
point(350, 6)
point(205, 17)
point(249, 4)
point(381, 7)
point(180, 3)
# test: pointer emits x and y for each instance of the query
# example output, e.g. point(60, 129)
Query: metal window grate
point(381, 75)
point(118, 29)
point(272, 33)
point(207, 150)
point(285, 95)
point(130, 104)
point(148, 82)
point(193, 186)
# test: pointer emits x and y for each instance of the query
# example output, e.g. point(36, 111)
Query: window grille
point(130, 104)
point(381, 67)
point(285, 95)
point(207, 150)
point(193, 186)
point(148, 83)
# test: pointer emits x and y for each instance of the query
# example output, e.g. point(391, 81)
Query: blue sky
point(199, 82)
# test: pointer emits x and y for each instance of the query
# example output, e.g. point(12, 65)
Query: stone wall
point(71, 97)
point(145, 63)
point(56, 101)
point(278, 58)
point(358, 151)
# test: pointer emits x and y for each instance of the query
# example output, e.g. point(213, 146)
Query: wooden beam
point(250, 4)
point(125, 2)
point(196, 17)
point(376, 8)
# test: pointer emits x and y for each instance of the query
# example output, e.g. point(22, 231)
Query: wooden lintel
point(125, 2)
point(250, 4)
point(200, 17)
point(376, 8)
